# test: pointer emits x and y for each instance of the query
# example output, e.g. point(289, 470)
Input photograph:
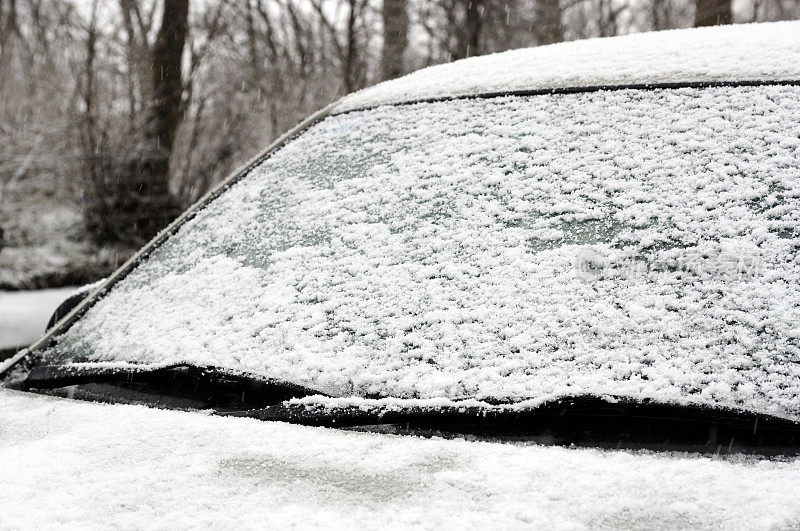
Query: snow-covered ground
point(70, 464)
point(24, 314)
point(45, 243)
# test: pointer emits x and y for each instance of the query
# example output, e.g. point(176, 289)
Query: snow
point(722, 53)
point(40, 234)
point(24, 314)
point(84, 465)
point(45, 243)
point(514, 249)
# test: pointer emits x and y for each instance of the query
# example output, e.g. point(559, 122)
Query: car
point(555, 286)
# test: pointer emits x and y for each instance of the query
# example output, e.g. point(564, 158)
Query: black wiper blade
point(581, 421)
point(182, 386)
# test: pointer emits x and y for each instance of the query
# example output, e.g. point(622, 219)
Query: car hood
point(69, 463)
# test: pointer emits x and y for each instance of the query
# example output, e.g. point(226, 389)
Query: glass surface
point(641, 244)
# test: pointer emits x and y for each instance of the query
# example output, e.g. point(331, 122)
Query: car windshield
point(636, 245)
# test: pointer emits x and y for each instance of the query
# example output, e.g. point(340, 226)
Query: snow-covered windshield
point(640, 244)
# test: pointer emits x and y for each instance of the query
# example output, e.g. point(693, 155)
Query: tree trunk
point(469, 35)
point(8, 27)
point(128, 197)
point(548, 22)
point(351, 69)
point(712, 12)
point(395, 38)
point(154, 205)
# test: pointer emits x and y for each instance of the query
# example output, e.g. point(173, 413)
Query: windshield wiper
point(177, 386)
point(580, 421)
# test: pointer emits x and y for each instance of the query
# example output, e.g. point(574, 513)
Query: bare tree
point(548, 26)
point(349, 47)
point(137, 53)
point(128, 194)
point(9, 29)
point(161, 118)
point(395, 38)
point(713, 12)
point(137, 110)
point(35, 92)
point(464, 27)
point(769, 10)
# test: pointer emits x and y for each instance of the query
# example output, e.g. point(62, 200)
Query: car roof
point(734, 53)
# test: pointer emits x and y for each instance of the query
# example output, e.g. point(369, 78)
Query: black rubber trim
point(66, 306)
point(207, 387)
point(580, 90)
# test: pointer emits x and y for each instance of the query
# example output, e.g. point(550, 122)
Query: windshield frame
point(70, 318)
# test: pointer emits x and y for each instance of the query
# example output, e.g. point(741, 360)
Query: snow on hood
point(722, 53)
point(83, 465)
point(638, 244)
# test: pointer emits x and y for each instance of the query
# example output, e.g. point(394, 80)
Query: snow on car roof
point(70, 464)
point(752, 52)
point(628, 243)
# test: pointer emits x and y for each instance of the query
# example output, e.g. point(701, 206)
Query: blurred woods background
point(117, 114)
